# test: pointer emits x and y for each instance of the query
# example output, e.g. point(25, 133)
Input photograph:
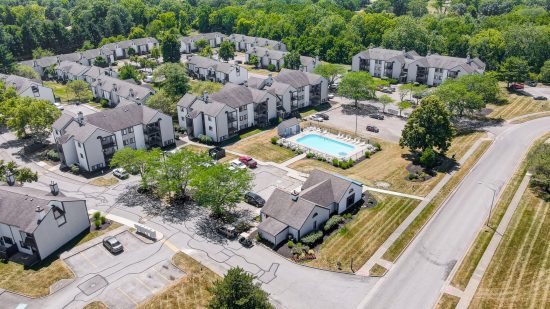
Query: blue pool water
point(326, 145)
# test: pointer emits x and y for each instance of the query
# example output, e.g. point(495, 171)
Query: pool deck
point(359, 148)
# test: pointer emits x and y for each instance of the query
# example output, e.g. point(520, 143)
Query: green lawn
point(259, 146)
point(65, 95)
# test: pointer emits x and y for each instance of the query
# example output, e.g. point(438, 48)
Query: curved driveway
point(417, 278)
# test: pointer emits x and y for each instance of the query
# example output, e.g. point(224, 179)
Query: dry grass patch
point(377, 271)
point(361, 237)
point(532, 117)
point(104, 181)
point(518, 106)
point(389, 166)
point(519, 273)
point(195, 148)
point(96, 305)
point(191, 291)
point(447, 301)
point(259, 146)
point(408, 235)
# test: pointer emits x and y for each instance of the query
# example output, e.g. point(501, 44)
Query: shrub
point(97, 223)
point(333, 222)
point(412, 176)
point(274, 140)
point(53, 155)
point(271, 67)
point(310, 155)
point(367, 155)
point(96, 215)
point(350, 162)
point(343, 231)
point(312, 238)
point(102, 219)
point(104, 103)
point(428, 158)
point(344, 164)
point(75, 169)
point(299, 250)
point(290, 244)
point(205, 139)
point(242, 226)
point(377, 146)
point(348, 216)
point(335, 162)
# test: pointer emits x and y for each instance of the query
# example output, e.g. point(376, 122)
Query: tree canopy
point(238, 291)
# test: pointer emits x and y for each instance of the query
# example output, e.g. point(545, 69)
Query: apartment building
point(276, 58)
point(115, 90)
point(406, 67)
point(311, 89)
point(285, 94)
point(225, 113)
point(91, 141)
point(28, 88)
point(188, 43)
point(204, 68)
point(244, 42)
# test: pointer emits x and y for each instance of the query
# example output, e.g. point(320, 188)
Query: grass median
point(416, 225)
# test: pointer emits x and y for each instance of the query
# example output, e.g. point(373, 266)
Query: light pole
point(492, 203)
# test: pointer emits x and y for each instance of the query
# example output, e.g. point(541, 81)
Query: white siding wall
point(69, 152)
point(138, 135)
point(94, 150)
point(357, 192)
point(322, 215)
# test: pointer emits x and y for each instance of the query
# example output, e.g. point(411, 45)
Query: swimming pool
point(326, 145)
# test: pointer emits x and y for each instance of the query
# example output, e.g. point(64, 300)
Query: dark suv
point(377, 116)
point(373, 129)
point(216, 153)
point(254, 199)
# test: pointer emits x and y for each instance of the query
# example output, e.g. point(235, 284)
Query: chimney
point(80, 118)
point(269, 80)
point(40, 214)
point(131, 92)
point(115, 88)
point(468, 59)
point(205, 96)
point(245, 83)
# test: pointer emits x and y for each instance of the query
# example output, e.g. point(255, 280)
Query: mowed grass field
point(66, 95)
point(519, 273)
point(518, 106)
point(191, 291)
point(259, 146)
point(387, 168)
point(362, 236)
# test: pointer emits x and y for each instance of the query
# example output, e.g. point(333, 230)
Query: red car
point(517, 86)
point(248, 161)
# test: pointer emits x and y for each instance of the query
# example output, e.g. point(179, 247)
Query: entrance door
point(350, 200)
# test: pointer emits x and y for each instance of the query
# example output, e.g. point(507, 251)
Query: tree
point(292, 60)
point(227, 50)
point(29, 116)
point(417, 8)
point(78, 87)
point(101, 62)
point(41, 53)
point(131, 51)
point(170, 47)
point(163, 102)
point(136, 33)
point(220, 187)
point(7, 62)
point(545, 72)
point(488, 45)
point(458, 97)
point(403, 105)
point(137, 161)
point(86, 45)
point(330, 71)
point(206, 51)
point(385, 100)
point(253, 60)
point(237, 290)
point(128, 71)
point(200, 44)
point(429, 126)
point(172, 78)
point(357, 86)
point(25, 71)
point(25, 174)
point(539, 166)
point(514, 69)
point(155, 52)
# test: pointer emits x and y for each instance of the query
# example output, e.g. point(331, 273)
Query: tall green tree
point(429, 126)
point(40, 53)
point(163, 102)
point(330, 71)
point(172, 78)
point(220, 188)
point(101, 62)
point(29, 116)
point(292, 60)
point(539, 166)
point(227, 50)
point(138, 161)
point(170, 47)
point(545, 72)
point(78, 87)
point(128, 71)
point(7, 62)
point(385, 100)
point(357, 86)
point(514, 70)
point(459, 97)
point(237, 290)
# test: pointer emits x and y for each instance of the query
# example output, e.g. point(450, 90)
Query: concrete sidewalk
point(483, 264)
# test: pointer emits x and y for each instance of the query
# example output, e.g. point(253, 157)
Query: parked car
point(323, 115)
point(540, 98)
point(386, 90)
point(248, 161)
point(377, 116)
point(216, 153)
point(227, 231)
point(236, 164)
point(331, 96)
point(58, 106)
point(112, 245)
point(373, 129)
point(316, 118)
point(247, 243)
point(238, 62)
point(517, 86)
point(121, 173)
point(531, 83)
point(254, 199)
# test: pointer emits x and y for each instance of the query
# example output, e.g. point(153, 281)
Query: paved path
point(474, 282)
point(377, 256)
point(417, 278)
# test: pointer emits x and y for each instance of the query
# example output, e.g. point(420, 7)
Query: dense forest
point(335, 30)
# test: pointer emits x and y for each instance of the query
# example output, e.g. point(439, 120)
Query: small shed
point(289, 127)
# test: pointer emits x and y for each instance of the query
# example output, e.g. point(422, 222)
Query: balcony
point(151, 130)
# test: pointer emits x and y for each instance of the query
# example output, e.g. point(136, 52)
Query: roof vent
point(295, 198)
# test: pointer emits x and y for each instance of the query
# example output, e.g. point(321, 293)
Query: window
point(315, 215)
point(59, 215)
point(209, 128)
point(81, 156)
point(131, 130)
point(209, 118)
point(22, 242)
point(124, 131)
point(132, 140)
point(79, 145)
point(8, 240)
point(243, 108)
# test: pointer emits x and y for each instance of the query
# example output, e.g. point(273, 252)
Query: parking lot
point(540, 90)
point(390, 128)
point(97, 258)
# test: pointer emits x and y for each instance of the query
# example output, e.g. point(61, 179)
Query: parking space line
point(88, 259)
point(171, 246)
point(145, 285)
point(160, 274)
point(128, 296)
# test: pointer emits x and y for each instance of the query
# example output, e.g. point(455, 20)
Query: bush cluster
point(333, 222)
point(53, 155)
point(274, 140)
point(312, 238)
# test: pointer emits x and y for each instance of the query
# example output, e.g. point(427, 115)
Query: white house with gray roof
point(267, 56)
point(311, 89)
point(115, 90)
point(284, 93)
point(244, 42)
point(188, 43)
point(28, 88)
point(204, 68)
point(225, 113)
point(296, 214)
point(90, 141)
point(37, 223)
point(406, 67)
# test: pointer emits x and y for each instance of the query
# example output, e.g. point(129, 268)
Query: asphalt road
point(420, 273)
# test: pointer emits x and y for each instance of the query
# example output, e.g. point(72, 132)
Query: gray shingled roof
point(202, 36)
point(121, 117)
point(338, 185)
point(289, 123)
point(73, 68)
point(18, 205)
point(272, 226)
point(186, 100)
point(297, 79)
point(63, 121)
point(124, 88)
point(238, 95)
point(378, 53)
point(283, 207)
point(69, 57)
point(19, 83)
point(205, 63)
point(46, 61)
point(271, 53)
point(95, 72)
